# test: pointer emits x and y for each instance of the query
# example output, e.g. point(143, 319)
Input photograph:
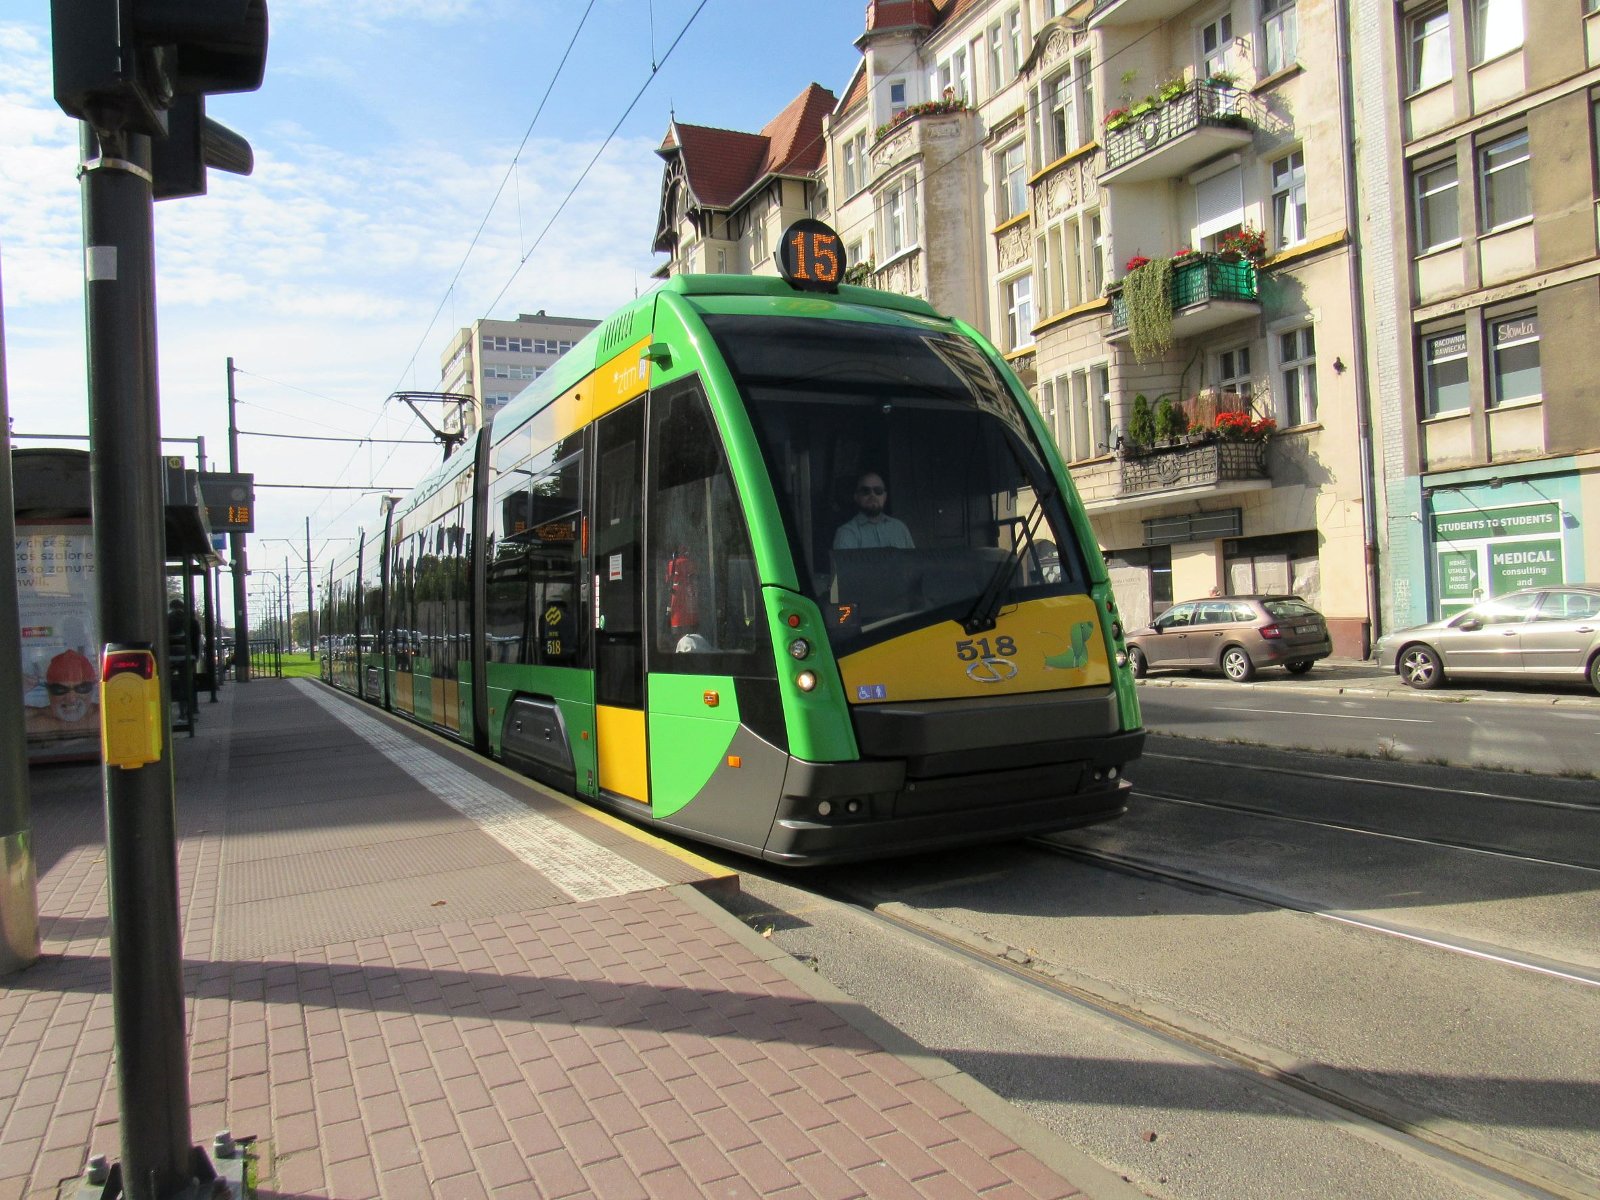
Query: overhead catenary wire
point(655, 70)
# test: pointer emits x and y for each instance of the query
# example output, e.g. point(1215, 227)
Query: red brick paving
point(630, 1046)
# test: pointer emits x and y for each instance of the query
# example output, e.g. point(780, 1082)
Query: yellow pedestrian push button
point(130, 706)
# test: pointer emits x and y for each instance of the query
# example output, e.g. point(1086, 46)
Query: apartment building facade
point(1479, 167)
point(968, 163)
point(727, 195)
point(492, 361)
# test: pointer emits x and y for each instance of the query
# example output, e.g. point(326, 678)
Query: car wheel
point(1299, 667)
point(1419, 667)
point(1594, 672)
point(1236, 665)
point(1137, 663)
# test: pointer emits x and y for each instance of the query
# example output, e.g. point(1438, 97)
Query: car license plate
point(1305, 629)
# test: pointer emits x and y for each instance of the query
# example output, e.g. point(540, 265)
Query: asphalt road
point(1376, 923)
point(1352, 709)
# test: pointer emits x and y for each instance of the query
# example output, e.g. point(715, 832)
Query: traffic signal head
point(119, 64)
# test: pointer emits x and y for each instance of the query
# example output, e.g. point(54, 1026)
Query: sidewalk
point(412, 974)
point(1363, 677)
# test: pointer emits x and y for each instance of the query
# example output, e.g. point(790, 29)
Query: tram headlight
point(799, 648)
point(806, 681)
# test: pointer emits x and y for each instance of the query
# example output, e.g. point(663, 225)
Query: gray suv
point(1235, 635)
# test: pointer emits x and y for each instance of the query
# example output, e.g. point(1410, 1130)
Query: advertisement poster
point(60, 646)
point(1485, 552)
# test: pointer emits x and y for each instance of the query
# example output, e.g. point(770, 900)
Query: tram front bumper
point(842, 812)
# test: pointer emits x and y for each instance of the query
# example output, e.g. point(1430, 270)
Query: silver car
point(1547, 634)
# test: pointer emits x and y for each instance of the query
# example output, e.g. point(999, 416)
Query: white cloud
point(322, 271)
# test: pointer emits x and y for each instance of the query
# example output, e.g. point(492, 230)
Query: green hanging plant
point(1148, 294)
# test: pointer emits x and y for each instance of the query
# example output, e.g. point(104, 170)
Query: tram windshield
point(910, 485)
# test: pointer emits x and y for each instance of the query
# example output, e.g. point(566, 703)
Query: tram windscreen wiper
point(982, 616)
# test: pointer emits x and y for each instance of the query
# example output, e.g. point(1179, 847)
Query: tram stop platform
point(410, 973)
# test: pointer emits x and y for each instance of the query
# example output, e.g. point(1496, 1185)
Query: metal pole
point(288, 612)
point(241, 606)
point(311, 608)
point(211, 628)
point(19, 892)
point(141, 836)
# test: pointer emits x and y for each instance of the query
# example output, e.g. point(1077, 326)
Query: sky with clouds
point(386, 133)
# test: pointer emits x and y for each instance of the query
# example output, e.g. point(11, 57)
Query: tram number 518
point(971, 650)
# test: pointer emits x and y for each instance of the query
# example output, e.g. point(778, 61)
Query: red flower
point(1137, 261)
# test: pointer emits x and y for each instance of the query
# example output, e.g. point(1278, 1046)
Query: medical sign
point(1480, 553)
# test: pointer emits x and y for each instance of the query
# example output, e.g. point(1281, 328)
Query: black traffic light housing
point(145, 66)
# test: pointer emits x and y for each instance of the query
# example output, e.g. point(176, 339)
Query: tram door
point(616, 539)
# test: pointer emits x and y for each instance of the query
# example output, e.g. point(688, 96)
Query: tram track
point(1492, 1165)
point(1467, 947)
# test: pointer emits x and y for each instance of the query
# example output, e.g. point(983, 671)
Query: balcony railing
point(1201, 280)
point(1174, 136)
point(1169, 468)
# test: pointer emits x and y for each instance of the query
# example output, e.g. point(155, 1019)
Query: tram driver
point(872, 528)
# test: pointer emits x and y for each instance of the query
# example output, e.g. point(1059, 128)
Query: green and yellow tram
point(784, 566)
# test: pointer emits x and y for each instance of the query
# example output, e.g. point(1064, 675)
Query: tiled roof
point(723, 164)
point(855, 91)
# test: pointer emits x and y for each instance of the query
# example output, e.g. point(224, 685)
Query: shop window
point(1514, 359)
point(1444, 373)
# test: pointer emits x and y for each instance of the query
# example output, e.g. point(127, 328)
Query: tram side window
point(402, 600)
point(535, 609)
point(705, 613)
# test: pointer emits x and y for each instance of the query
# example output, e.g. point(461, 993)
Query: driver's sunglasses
point(61, 689)
point(871, 491)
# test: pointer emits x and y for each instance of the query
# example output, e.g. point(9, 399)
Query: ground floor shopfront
point(1482, 533)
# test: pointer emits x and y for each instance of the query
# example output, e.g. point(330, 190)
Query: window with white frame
point(1219, 205)
point(1429, 35)
point(995, 46)
point(1049, 263)
point(853, 253)
point(863, 168)
point(760, 247)
point(1083, 83)
point(1438, 212)
point(899, 216)
point(1233, 371)
point(952, 77)
point(1297, 376)
point(897, 97)
point(850, 184)
point(1019, 312)
point(1011, 182)
point(1057, 8)
point(1514, 359)
point(1216, 39)
point(1094, 261)
point(1047, 409)
point(1503, 192)
point(1280, 35)
point(1496, 28)
point(1289, 199)
point(1058, 117)
point(1444, 373)
point(1013, 42)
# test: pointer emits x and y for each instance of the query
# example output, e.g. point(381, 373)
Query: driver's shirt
point(858, 533)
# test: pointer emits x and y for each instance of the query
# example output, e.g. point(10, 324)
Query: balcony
point(1174, 137)
point(1208, 292)
point(1216, 467)
point(1134, 12)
